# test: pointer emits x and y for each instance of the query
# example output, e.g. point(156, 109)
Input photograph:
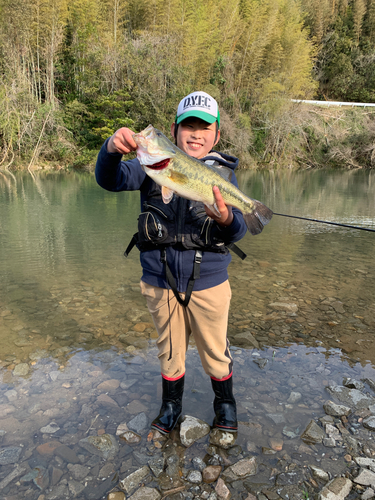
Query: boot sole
point(164, 431)
point(226, 429)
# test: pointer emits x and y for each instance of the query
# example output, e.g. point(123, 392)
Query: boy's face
point(196, 137)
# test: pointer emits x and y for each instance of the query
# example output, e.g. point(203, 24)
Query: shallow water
point(77, 346)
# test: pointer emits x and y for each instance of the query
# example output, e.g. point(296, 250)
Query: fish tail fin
point(258, 218)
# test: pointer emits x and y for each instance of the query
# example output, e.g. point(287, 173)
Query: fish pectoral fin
point(178, 178)
point(167, 194)
point(214, 209)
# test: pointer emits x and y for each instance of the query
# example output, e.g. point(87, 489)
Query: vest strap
point(172, 282)
point(131, 245)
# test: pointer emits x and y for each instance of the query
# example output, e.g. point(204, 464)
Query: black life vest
point(182, 223)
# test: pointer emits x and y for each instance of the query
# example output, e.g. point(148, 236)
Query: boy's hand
point(225, 211)
point(122, 142)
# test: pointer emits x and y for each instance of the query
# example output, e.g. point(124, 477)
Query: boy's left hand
point(225, 211)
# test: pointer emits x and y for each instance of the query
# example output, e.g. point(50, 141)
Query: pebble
point(105, 446)
point(10, 455)
point(211, 473)
point(21, 370)
point(50, 428)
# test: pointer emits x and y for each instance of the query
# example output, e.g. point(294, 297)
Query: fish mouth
point(153, 148)
point(144, 138)
point(160, 164)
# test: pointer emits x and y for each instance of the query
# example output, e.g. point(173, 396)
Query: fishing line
point(327, 222)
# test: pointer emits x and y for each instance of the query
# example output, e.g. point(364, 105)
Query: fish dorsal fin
point(225, 172)
point(167, 194)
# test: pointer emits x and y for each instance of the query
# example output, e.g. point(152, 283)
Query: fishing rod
point(327, 222)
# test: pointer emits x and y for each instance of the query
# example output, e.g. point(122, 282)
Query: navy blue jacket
point(114, 174)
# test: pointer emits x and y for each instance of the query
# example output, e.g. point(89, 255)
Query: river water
point(77, 346)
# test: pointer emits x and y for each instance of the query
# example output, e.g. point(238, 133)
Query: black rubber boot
point(224, 405)
point(171, 407)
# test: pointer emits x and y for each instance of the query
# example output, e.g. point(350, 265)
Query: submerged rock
point(10, 455)
point(313, 433)
point(105, 446)
point(354, 398)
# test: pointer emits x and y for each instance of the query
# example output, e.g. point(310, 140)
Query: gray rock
point(192, 429)
point(10, 455)
point(78, 471)
point(198, 464)
point(294, 397)
point(284, 306)
point(351, 383)
point(319, 473)
point(337, 489)
point(173, 463)
point(139, 423)
point(141, 458)
point(67, 454)
point(130, 437)
point(157, 464)
point(223, 439)
point(244, 468)
point(18, 471)
point(277, 418)
point(21, 370)
point(194, 476)
point(126, 384)
point(365, 462)
point(261, 362)
point(329, 442)
point(335, 410)
point(133, 480)
point(246, 337)
point(369, 493)
point(145, 493)
point(371, 383)
point(11, 395)
point(369, 423)
point(50, 428)
point(365, 478)
point(75, 487)
point(352, 397)
point(54, 375)
point(313, 433)
point(61, 491)
point(105, 446)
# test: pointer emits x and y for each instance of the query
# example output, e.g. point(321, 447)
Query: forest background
point(74, 71)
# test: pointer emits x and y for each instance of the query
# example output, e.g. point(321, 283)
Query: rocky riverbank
point(91, 438)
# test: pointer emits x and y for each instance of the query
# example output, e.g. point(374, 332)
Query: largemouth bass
point(177, 172)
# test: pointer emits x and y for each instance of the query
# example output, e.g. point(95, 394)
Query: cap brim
point(196, 114)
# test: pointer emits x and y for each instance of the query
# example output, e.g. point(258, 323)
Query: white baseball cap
point(199, 105)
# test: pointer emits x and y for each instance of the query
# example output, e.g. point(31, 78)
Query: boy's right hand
point(122, 142)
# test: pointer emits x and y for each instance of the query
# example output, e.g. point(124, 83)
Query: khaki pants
point(206, 317)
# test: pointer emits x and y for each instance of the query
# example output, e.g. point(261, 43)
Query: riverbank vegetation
point(72, 72)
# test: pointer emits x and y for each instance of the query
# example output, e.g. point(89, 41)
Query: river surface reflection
point(77, 346)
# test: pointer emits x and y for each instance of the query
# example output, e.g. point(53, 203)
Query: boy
point(195, 266)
